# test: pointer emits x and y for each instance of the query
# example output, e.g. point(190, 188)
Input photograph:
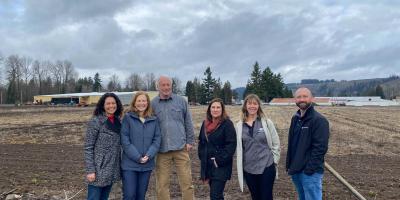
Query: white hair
point(158, 80)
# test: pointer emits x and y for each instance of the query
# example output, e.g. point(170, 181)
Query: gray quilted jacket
point(102, 151)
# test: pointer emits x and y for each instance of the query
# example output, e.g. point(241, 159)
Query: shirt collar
point(167, 99)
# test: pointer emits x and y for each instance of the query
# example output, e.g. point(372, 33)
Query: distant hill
point(364, 87)
point(240, 92)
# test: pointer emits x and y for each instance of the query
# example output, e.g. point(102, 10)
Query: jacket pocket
point(177, 114)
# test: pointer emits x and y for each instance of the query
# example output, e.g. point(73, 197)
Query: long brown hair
point(251, 98)
point(148, 112)
point(223, 115)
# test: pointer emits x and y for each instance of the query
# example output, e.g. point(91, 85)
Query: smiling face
point(216, 110)
point(164, 87)
point(303, 98)
point(110, 106)
point(252, 107)
point(141, 103)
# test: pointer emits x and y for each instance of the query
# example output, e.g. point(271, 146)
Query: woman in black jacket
point(217, 144)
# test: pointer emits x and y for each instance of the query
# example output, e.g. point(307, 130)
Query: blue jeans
point(309, 187)
point(98, 193)
point(134, 184)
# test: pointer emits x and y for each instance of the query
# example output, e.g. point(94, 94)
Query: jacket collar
point(308, 114)
point(116, 126)
point(135, 116)
point(169, 98)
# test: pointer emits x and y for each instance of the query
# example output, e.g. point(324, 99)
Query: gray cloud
point(40, 16)
point(325, 40)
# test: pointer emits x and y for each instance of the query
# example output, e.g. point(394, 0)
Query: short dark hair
point(99, 110)
point(223, 115)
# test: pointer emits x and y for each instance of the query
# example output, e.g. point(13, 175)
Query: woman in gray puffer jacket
point(103, 147)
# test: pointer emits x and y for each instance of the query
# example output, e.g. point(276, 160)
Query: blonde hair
point(148, 112)
point(245, 114)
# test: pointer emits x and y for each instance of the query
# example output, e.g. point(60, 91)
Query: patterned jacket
point(103, 150)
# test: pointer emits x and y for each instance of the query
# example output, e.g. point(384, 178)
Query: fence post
point(344, 182)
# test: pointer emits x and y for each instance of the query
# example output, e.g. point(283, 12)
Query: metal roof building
point(85, 98)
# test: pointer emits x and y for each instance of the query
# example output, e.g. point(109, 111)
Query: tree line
point(22, 77)
point(265, 84)
point(203, 92)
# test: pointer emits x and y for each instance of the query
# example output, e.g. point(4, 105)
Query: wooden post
point(344, 182)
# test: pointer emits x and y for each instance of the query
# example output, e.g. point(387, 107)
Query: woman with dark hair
point(217, 143)
point(140, 138)
point(258, 150)
point(102, 147)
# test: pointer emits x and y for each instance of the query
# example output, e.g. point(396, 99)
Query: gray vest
point(257, 155)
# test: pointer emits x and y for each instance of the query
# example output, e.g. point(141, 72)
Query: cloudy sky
point(299, 39)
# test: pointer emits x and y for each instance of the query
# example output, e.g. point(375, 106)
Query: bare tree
point(26, 74)
point(150, 82)
point(69, 74)
point(57, 73)
point(114, 83)
point(40, 71)
point(13, 67)
point(134, 82)
point(176, 85)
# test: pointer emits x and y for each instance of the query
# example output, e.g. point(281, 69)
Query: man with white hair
point(177, 139)
point(307, 146)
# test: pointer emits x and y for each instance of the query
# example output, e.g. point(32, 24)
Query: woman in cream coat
point(258, 150)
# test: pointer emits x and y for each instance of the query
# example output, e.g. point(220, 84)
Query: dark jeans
point(98, 193)
point(261, 185)
point(134, 184)
point(216, 189)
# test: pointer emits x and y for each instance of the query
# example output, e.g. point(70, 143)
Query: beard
point(303, 105)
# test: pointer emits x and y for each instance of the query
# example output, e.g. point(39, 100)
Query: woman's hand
point(91, 177)
point(205, 181)
point(144, 159)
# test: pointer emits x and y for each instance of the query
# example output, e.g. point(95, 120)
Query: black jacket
point(308, 154)
point(221, 145)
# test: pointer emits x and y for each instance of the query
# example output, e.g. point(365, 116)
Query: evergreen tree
point(217, 91)
point(176, 85)
point(287, 93)
point(267, 85)
point(254, 84)
point(97, 83)
point(11, 93)
point(207, 86)
point(278, 86)
point(190, 92)
point(197, 90)
point(227, 93)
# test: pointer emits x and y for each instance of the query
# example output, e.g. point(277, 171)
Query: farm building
point(344, 101)
point(85, 98)
point(363, 101)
